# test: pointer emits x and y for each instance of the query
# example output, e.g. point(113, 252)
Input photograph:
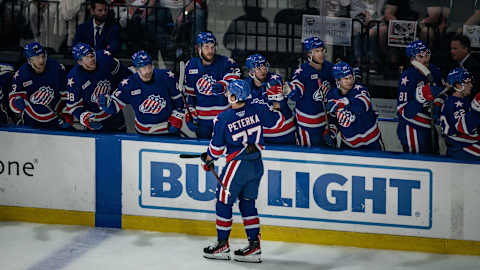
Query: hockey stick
point(212, 170)
point(324, 101)
point(181, 81)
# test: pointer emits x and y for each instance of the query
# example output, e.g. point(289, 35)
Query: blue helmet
point(458, 75)
point(33, 49)
point(342, 70)
point(206, 37)
point(312, 43)
point(239, 88)
point(141, 59)
point(256, 60)
point(80, 50)
point(416, 47)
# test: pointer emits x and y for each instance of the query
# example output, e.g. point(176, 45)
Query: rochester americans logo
point(154, 104)
point(204, 84)
point(43, 96)
point(103, 88)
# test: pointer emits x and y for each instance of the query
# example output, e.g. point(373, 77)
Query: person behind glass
point(460, 117)
point(38, 90)
point(98, 32)
point(309, 82)
point(460, 50)
point(350, 106)
point(95, 73)
point(415, 96)
point(238, 133)
point(6, 74)
point(206, 78)
point(154, 97)
point(267, 86)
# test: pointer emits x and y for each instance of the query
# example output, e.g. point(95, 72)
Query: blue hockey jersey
point(361, 129)
point(460, 123)
point(282, 136)
point(307, 95)
point(153, 102)
point(199, 80)
point(84, 86)
point(44, 93)
point(409, 110)
point(234, 129)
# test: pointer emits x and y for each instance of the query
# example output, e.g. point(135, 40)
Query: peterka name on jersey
point(241, 123)
point(154, 104)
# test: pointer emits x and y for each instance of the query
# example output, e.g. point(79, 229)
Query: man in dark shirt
point(460, 52)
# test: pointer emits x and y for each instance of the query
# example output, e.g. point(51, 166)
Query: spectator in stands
point(463, 12)
point(460, 52)
point(433, 16)
point(394, 10)
point(6, 72)
point(191, 21)
point(98, 32)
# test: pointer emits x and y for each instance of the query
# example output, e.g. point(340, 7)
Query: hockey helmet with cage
point(342, 70)
point(255, 61)
point(417, 47)
point(141, 59)
point(459, 75)
point(206, 37)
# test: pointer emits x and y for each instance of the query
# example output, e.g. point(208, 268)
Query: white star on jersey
point(458, 104)
point(106, 52)
point(404, 80)
point(70, 82)
point(124, 82)
point(298, 70)
point(274, 77)
point(170, 74)
point(357, 87)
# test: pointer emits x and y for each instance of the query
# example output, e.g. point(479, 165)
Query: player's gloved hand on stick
point(426, 93)
point(330, 135)
point(275, 90)
point(175, 121)
point(336, 105)
point(208, 164)
point(192, 119)
point(105, 103)
point(88, 119)
point(19, 103)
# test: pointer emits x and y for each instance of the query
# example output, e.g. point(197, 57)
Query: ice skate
point(251, 253)
point(219, 250)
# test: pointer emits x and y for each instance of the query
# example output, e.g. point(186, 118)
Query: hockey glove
point(105, 103)
point(324, 87)
point(336, 105)
point(330, 135)
point(192, 119)
point(476, 103)
point(426, 93)
point(437, 108)
point(275, 90)
point(175, 121)
point(19, 103)
point(88, 119)
point(218, 88)
point(208, 164)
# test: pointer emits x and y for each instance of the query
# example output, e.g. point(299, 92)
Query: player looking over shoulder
point(267, 86)
point(238, 133)
point(309, 83)
point(351, 107)
point(460, 117)
point(6, 74)
point(206, 78)
point(38, 90)
point(154, 97)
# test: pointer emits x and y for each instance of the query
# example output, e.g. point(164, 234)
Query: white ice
point(50, 247)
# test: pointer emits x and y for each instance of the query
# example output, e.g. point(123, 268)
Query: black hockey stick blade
point(190, 155)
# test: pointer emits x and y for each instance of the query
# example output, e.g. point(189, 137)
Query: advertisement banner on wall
point(47, 171)
point(319, 191)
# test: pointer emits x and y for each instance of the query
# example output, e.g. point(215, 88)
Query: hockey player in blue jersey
point(154, 97)
point(38, 90)
point(350, 107)
point(460, 117)
point(309, 82)
point(206, 78)
point(238, 133)
point(416, 92)
point(96, 73)
point(6, 73)
point(268, 86)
